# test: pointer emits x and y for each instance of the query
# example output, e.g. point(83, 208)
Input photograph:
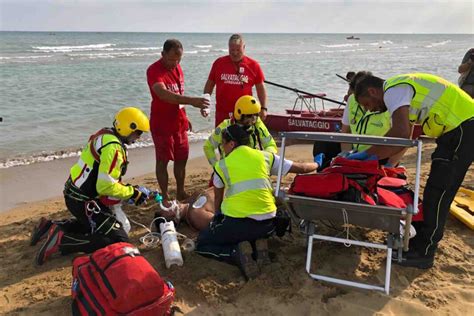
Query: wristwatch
point(264, 108)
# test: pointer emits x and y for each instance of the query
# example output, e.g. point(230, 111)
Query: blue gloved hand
point(344, 154)
point(362, 155)
point(140, 195)
point(319, 159)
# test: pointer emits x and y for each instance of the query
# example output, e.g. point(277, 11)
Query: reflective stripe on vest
point(435, 96)
point(82, 177)
point(83, 174)
point(356, 112)
point(248, 190)
point(374, 124)
point(242, 186)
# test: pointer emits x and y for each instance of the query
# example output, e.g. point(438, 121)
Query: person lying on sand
point(197, 211)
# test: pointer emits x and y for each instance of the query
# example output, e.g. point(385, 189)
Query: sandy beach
point(207, 287)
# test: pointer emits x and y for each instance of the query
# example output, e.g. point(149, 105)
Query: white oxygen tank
point(121, 217)
point(170, 244)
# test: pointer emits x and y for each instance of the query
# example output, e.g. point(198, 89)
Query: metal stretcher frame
point(384, 218)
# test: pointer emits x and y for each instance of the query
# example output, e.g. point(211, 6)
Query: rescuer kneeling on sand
point(244, 203)
point(94, 191)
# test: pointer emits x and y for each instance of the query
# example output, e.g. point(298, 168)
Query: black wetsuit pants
point(220, 239)
point(450, 162)
point(79, 235)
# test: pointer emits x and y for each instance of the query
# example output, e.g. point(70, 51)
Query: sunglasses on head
point(226, 131)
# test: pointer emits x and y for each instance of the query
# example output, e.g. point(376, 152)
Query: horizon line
point(184, 32)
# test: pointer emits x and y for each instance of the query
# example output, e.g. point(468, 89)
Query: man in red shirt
point(234, 75)
point(168, 120)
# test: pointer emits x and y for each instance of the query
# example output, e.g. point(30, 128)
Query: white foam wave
point(98, 55)
point(45, 157)
point(72, 48)
point(50, 156)
point(24, 57)
point(340, 45)
point(108, 55)
point(438, 44)
point(202, 46)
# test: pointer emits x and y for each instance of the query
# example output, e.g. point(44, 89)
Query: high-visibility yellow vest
point(246, 176)
point(260, 138)
point(438, 105)
point(100, 167)
point(356, 112)
point(366, 123)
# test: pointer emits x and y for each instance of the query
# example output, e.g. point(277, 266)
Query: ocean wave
point(202, 46)
point(380, 43)
point(438, 44)
point(24, 57)
point(340, 45)
point(197, 51)
point(193, 137)
point(43, 157)
point(104, 49)
point(101, 55)
point(109, 55)
point(63, 49)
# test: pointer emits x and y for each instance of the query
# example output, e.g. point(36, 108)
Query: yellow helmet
point(247, 105)
point(432, 126)
point(131, 119)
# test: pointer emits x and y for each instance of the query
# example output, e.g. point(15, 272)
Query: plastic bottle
point(122, 218)
point(170, 244)
point(207, 111)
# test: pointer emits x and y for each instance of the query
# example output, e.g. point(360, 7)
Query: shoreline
point(45, 180)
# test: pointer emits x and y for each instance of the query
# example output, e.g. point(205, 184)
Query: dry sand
point(207, 287)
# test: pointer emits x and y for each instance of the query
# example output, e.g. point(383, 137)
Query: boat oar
point(343, 78)
point(303, 92)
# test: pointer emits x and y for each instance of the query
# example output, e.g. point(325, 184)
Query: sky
point(228, 16)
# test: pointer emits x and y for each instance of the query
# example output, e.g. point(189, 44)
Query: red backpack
point(117, 280)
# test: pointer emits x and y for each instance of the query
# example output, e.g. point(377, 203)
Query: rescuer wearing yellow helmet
point(94, 191)
point(446, 113)
point(246, 114)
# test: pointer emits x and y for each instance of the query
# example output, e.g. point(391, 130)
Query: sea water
point(57, 88)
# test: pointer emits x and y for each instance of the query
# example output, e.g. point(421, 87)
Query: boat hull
point(299, 123)
point(289, 123)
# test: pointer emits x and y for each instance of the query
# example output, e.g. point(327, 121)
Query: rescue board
point(463, 207)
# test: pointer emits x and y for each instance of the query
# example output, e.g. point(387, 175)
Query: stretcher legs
point(388, 247)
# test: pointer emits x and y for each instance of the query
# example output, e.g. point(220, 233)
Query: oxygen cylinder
point(170, 244)
point(122, 218)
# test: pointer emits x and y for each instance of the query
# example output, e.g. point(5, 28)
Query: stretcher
point(306, 210)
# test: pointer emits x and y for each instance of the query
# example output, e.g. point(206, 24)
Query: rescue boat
point(308, 114)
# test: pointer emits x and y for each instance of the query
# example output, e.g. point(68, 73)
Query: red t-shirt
point(233, 81)
point(166, 118)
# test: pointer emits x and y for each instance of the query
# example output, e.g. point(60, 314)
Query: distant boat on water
point(352, 38)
